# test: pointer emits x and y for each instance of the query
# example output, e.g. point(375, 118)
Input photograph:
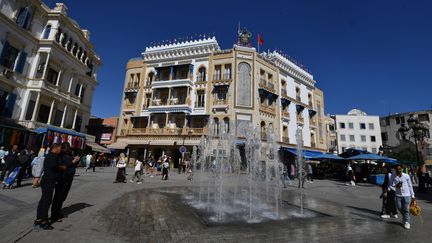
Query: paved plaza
point(100, 211)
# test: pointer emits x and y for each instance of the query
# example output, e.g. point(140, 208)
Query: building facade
point(392, 138)
point(172, 92)
point(47, 66)
point(358, 130)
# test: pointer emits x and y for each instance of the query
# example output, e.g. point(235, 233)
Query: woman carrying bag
point(121, 172)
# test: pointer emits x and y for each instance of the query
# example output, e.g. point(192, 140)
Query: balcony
point(313, 144)
point(263, 136)
point(172, 83)
point(219, 79)
point(175, 104)
point(268, 86)
point(285, 139)
point(129, 106)
point(166, 131)
point(132, 87)
point(267, 110)
point(285, 113)
point(201, 78)
point(298, 98)
point(284, 93)
point(300, 119)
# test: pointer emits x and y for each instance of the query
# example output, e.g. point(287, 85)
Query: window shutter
point(22, 16)
point(10, 103)
point(3, 52)
point(21, 62)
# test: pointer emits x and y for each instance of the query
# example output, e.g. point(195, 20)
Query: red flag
point(260, 40)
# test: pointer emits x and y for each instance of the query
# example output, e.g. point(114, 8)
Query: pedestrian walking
point(121, 169)
point(93, 162)
point(2, 155)
point(88, 161)
point(350, 175)
point(292, 171)
point(165, 166)
point(51, 173)
point(388, 196)
point(309, 173)
point(64, 182)
point(37, 168)
point(138, 171)
point(404, 195)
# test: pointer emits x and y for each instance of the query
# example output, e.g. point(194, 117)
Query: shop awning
point(117, 145)
point(98, 148)
point(41, 130)
point(11, 124)
point(307, 154)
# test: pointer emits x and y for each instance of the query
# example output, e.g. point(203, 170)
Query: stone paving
point(100, 211)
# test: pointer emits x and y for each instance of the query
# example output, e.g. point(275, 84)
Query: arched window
point(216, 126)
point(79, 53)
point(226, 124)
point(263, 130)
point(46, 32)
point(69, 45)
point(64, 40)
point(150, 78)
point(58, 34)
point(244, 98)
point(84, 57)
point(202, 75)
point(75, 49)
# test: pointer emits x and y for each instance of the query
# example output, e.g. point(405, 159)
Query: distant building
point(104, 129)
point(392, 138)
point(358, 130)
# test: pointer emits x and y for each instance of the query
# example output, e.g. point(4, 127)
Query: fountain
point(237, 176)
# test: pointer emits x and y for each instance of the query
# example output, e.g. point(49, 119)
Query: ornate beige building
point(174, 89)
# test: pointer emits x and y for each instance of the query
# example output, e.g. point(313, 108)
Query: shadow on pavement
point(74, 208)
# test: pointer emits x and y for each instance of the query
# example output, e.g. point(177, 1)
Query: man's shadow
point(74, 208)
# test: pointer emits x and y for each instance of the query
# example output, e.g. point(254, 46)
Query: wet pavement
point(100, 211)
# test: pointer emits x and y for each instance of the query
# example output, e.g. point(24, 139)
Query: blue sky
point(371, 55)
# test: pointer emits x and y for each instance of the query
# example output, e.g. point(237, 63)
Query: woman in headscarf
point(121, 172)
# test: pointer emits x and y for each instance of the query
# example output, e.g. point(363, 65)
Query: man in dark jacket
point(52, 172)
point(64, 182)
point(11, 162)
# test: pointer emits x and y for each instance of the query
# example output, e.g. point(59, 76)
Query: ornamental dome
point(356, 112)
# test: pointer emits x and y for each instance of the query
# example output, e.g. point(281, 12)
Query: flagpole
point(258, 42)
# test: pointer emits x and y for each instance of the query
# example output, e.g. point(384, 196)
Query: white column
point(36, 107)
point(70, 82)
point(51, 112)
point(64, 115)
point(59, 76)
point(74, 119)
point(81, 86)
point(46, 66)
point(24, 104)
point(35, 65)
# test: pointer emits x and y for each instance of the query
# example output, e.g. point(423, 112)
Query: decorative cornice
point(291, 68)
point(199, 47)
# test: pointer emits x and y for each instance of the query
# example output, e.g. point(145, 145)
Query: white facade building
point(47, 66)
point(358, 130)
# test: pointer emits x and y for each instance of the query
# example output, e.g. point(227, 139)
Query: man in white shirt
point(404, 194)
point(137, 175)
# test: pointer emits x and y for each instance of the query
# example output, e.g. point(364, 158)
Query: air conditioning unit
point(7, 73)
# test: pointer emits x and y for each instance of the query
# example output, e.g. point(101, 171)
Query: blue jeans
point(403, 204)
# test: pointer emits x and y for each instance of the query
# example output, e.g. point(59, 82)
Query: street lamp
point(418, 129)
